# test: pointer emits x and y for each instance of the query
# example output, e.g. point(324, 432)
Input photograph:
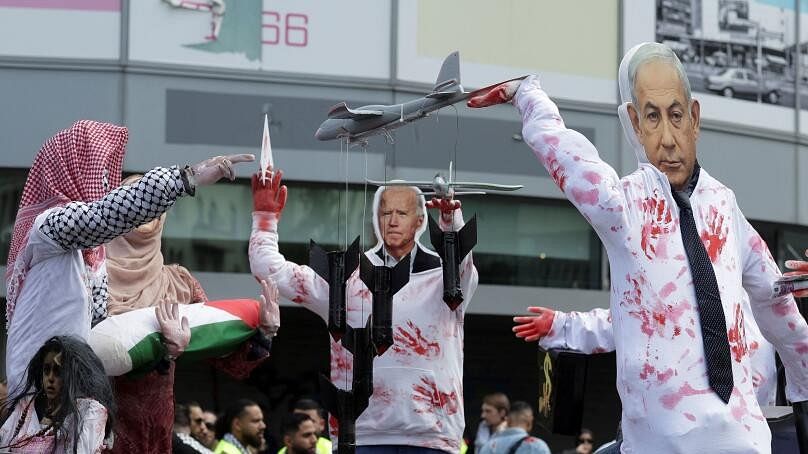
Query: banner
point(348, 38)
point(60, 28)
point(739, 55)
point(510, 38)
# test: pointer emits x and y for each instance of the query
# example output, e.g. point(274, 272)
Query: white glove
point(176, 333)
point(213, 169)
point(269, 309)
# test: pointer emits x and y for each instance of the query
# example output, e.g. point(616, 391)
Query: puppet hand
point(535, 327)
point(269, 196)
point(214, 169)
point(270, 310)
point(800, 267)
point(498, 94)
point(446, 207)
point(176, 333)
point(797, 265)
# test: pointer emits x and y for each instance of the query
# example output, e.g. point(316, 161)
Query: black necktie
point(711, 313)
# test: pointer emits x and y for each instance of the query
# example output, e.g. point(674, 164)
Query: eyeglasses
point(210, 425)
point(585, 440)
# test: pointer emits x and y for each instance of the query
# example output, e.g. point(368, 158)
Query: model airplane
point(444, 188)
point(362, 122)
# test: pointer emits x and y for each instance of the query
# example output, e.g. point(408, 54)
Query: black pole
point(801, 421)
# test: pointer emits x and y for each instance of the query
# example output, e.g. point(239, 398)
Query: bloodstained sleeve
point(778, 317)
point(585, 332)
point(572, 161)
point(298, 283)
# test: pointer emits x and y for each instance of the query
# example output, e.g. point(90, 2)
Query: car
point(742, 82)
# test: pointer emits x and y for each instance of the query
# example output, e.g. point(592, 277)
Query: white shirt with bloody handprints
point(653, 304)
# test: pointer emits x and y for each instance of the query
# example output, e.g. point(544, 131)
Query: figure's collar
point(692, 182)
point(421, 261)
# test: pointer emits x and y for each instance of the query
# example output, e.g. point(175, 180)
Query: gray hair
point(417, 195)
point(655, 51)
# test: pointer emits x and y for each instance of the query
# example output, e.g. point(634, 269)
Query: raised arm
point(572, 161)
point(295, 282)
point(80, 225)
point(585, 332)
point(779, 319)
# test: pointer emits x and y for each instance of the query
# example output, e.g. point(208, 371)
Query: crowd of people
point(692, 319)
point(504, 428)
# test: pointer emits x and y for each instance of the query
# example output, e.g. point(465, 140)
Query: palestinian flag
point(131, 343)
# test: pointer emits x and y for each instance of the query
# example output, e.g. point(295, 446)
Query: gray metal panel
point(195, 117)
point(36, 104)
point(181, 120)
point(801, 168)
point(760, 172)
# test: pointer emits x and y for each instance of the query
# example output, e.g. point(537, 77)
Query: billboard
point(738, 54)
point(510, 38)
point(302, 36)
point(60, 28)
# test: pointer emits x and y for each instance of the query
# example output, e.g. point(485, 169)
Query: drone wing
point(418, 184)
point(463, 185)
point(341, 111)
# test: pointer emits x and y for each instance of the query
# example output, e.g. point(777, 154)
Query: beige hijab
point(137, 276)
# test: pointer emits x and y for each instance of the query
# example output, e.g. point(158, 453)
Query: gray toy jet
point(360, 123)
point(444, 188)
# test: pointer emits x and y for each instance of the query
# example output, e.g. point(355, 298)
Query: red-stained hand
point(799, 267)
point(498, 94)
point(446, 207)
point(270, 197)
point(533, 328)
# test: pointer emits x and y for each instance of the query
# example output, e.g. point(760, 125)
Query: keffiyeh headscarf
point(81, 163)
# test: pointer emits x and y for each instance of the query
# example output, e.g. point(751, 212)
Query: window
point(521, 241)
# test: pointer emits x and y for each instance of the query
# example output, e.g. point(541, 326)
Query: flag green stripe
point(207, 341)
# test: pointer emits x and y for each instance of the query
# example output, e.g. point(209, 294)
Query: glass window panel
point(521, 241)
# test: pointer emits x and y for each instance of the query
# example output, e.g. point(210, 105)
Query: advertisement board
point(510, 38)
point(738, 54)
point(60, 28)
point(302, 36)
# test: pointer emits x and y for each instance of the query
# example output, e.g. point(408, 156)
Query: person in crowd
point(65, 405)
point(240, 428)
point(584, 443)
point(210, 424)
point(71, 206)
point(493, 418)
point(197, 422)
point(299, 434)
point(683, 259)
point(515, 437)
point(183, 442)
point(137, 278)
point(417, 381)
point(315, 412)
